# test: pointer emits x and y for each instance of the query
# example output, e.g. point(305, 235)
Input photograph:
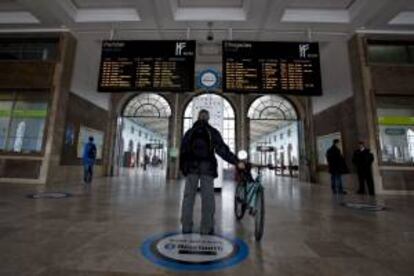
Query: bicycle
point(249, 195)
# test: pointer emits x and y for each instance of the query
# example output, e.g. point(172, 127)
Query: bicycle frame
point(252, 188)
point(250, 196)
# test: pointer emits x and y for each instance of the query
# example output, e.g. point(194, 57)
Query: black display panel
point(273, 67)
point(132, 65)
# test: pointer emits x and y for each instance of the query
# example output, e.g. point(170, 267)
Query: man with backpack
point(199, 164)
point(88, 158)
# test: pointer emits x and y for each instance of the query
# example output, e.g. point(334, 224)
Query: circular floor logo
point(373, 207)
point(49, 195)
point(194, 251)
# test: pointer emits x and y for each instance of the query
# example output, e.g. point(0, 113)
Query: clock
point(209, 79)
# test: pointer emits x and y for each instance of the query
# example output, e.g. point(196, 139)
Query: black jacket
point(336, 161)
point(363, 160)
point(207, 166)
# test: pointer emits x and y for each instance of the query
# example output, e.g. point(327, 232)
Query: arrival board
point(273, 67)
point(132, 65)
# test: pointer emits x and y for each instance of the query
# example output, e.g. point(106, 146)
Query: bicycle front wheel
point(259, 216)
point(240, 201)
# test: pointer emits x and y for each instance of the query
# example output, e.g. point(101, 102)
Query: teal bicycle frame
point(252, 188)
point(250, 196)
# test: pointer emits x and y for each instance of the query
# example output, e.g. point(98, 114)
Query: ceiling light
point(18, 17)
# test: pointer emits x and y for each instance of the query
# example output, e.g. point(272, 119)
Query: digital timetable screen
point(132, 65)
point(274, 67)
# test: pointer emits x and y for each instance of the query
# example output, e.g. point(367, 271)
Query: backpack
point(92, 151)
point(200, 143)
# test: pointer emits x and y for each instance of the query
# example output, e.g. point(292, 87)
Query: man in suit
point(337, 167)
point(363, 159)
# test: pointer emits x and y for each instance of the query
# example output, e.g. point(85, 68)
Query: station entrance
point(150, 126)
point(142, 136)
point(274, 134)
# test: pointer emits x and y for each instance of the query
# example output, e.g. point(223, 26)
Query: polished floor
point(99, 232)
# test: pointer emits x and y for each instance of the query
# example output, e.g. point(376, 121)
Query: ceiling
point(325, 4)
point(91, 21)
point(211, 3)
point(237, 19)
point(91, 4)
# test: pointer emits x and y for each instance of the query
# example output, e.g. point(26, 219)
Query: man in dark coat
point(363, 159)
point(198, 164)
point(337, 167)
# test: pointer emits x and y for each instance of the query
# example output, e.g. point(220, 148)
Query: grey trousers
point(207, 203)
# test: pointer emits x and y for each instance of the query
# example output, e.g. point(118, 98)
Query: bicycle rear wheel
point(259, 216)
point(240, 201)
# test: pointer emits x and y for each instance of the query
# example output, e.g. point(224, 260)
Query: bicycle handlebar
point(259, 166)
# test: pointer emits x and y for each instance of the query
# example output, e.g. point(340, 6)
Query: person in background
point(89, 158)
point(337, 167)
point(199, 164)
point(363, 159)
point(146, 161)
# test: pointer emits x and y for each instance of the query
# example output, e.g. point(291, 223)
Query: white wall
point(135, 136)
point(279, 143)
point(86, 71)
point(336, 75)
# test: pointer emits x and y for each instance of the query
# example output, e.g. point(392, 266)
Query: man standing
point(88, 157)
point(363, 159)
point(337, 167)
point(198, 164)
point(146, 161)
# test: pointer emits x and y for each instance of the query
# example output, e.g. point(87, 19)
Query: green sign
point(396, 121)
point(5, 113)
point(24, 113)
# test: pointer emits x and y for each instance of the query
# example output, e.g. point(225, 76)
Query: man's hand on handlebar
point(261, 166)
point(242, 165)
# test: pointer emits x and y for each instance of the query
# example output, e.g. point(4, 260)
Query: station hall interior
point(281, 80)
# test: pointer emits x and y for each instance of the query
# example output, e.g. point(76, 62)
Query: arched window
point(147, 105)
point(274, 116)
point(269, 113)
point(150, 111)
point(272, 108)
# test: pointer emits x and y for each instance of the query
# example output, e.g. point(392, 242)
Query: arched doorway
point(144, 121)
point(274, 134)
point(222, 117)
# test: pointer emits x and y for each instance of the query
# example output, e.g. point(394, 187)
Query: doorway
point(142, 140)
point(274, 134)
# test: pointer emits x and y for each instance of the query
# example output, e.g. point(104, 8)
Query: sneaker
point(186, 231)
point(208, 233)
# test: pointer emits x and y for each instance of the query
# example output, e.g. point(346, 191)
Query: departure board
point(132, 65)
point(272, 67)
